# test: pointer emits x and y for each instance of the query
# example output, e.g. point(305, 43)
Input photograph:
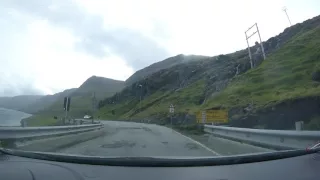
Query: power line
point(93, 105)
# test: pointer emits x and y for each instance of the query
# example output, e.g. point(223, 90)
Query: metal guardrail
point(20, 133)
point(275, 139)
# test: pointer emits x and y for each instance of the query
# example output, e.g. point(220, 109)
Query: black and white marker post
point(66, 107)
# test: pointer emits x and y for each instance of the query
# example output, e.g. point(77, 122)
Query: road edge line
point(197, 142)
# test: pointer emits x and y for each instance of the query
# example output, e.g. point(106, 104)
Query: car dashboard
point(21, 167)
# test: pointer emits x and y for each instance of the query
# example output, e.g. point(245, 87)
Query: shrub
point(313, 124)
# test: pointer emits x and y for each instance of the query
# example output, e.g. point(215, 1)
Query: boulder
point(316, 76)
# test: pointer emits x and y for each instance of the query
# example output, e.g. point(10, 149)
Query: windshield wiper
point(161, 162)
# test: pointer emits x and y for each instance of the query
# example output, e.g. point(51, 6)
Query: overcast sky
point(51, 45)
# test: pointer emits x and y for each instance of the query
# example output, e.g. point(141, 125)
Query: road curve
point(138, 139)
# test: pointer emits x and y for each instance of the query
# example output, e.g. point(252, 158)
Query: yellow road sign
point(212, 116)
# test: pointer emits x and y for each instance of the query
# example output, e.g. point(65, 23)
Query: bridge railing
point(275, 139)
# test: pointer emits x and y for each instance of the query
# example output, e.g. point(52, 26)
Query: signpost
point(171, 111)
point(23, 123)
point(66, 106)
point(93, 105)
point(203, 116)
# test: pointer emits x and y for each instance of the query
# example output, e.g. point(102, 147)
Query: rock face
point(167, 63)
point(281, 116)
point(216, 71)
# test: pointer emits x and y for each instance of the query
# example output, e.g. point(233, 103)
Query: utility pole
point(66, 107)
point(261, 44)
point(250, 56)
point(93, 105)
point(171, 111)
point(285, 11)
point(140, 96)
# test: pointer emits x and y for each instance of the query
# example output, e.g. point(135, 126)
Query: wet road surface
point(137, 139)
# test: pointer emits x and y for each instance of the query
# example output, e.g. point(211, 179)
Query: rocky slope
point(167, 63)
point(227, 81)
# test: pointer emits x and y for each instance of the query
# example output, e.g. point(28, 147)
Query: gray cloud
point(17, 86)
point(20, 90)
point(137, 49)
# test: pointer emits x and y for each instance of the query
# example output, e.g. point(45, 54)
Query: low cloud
point(92, 48)
point(95, 39)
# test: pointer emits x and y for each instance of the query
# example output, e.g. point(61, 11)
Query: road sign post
point(93, 106)
point(204, 116)
point(171, 111)
point(66, 107)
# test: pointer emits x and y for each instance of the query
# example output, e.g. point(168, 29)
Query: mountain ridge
point(195, 85)
point(164, 64)
point(36, 103)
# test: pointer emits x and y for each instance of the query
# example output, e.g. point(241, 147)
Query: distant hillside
point(46, 101)
point(18, 102)
point(81, 100)
point(167, 63)
point(280, 86)
point(103, 87)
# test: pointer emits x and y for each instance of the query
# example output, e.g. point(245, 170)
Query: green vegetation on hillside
point(267, 96)
point(186, 99)
point(41, 120)
point(284, 75)
point(271, 95)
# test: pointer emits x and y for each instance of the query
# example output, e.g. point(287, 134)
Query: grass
point(81, 100)
point(284, 75)
point(314, 124)
point(195, 129)
point(185, 99)
point(41, 120)
point(80, 106)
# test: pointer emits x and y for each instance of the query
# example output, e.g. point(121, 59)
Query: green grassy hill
point(81, 101)
point(286, 74)
point(272, 95)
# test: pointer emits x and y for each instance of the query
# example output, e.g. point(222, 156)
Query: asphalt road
point(137, 139)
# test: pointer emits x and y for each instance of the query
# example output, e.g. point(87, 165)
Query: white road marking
point(200, 144)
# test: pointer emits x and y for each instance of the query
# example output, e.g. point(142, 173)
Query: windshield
point(173, 79)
